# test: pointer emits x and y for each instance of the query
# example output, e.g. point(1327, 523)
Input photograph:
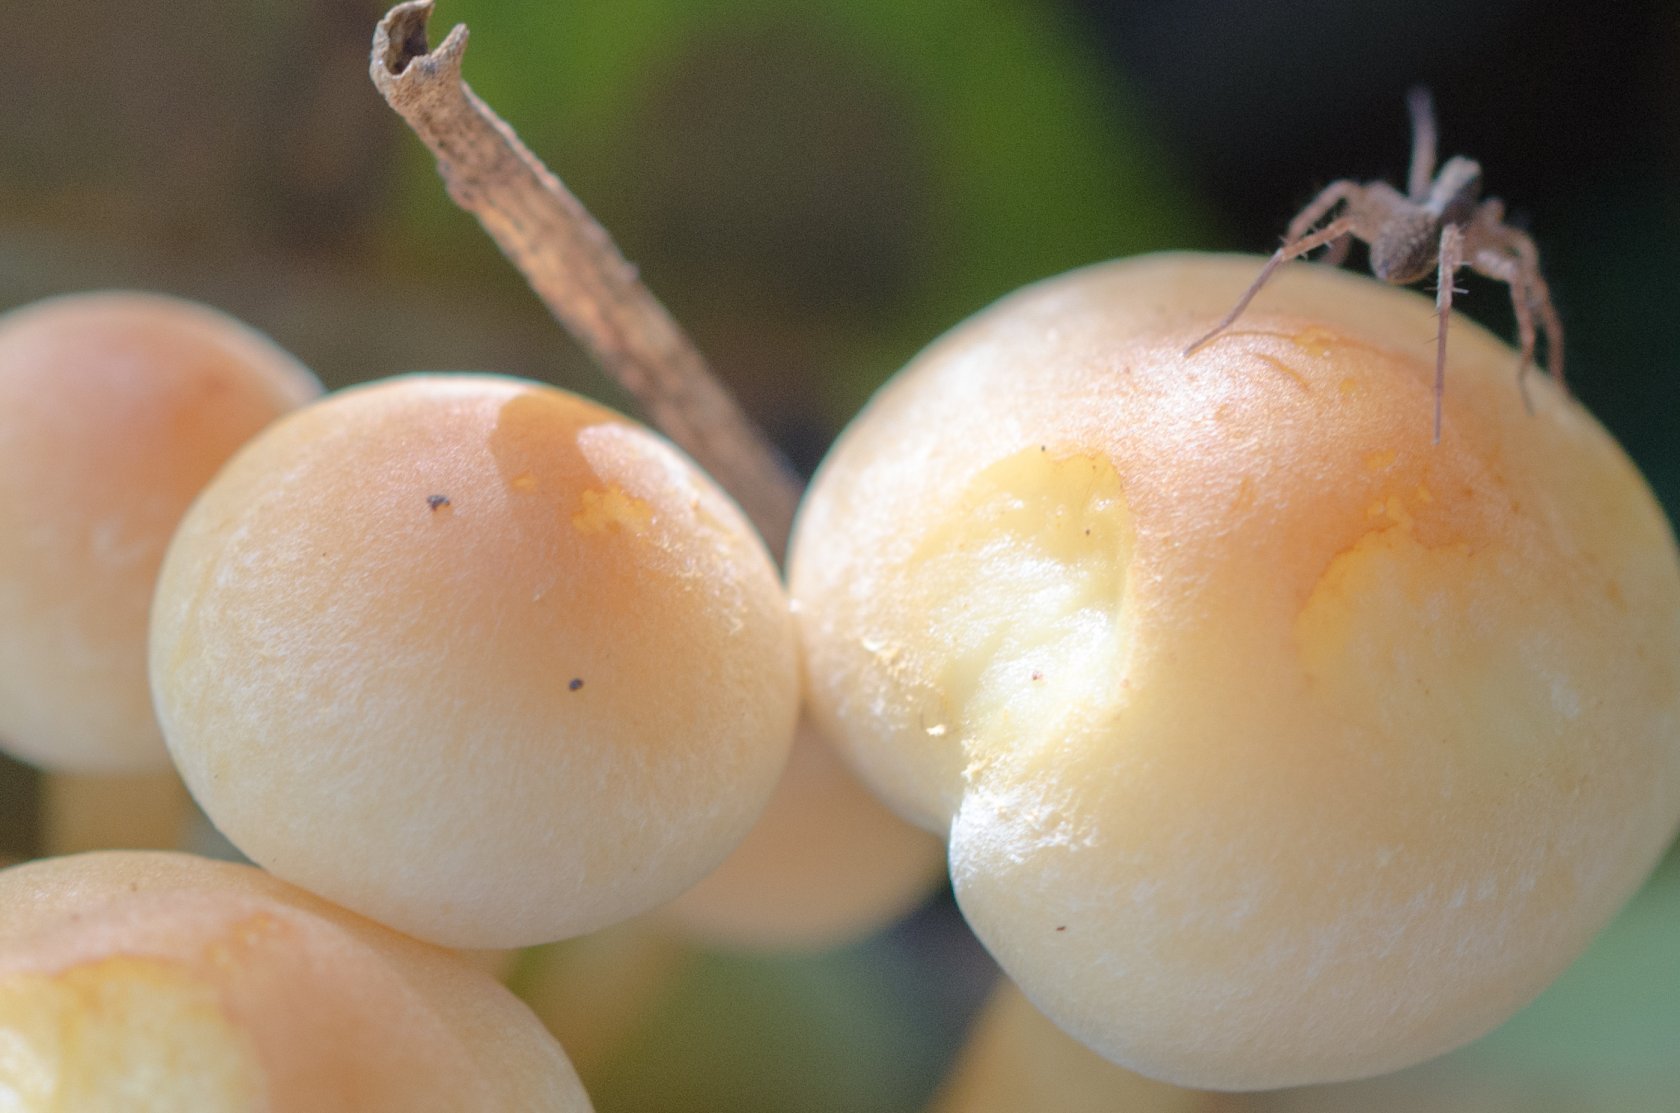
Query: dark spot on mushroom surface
point(437, 502)
point(1061, 927)
point(577, 682)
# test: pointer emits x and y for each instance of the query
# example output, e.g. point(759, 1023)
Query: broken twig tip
point(400, 38)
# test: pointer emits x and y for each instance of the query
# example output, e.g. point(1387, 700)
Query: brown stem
point(574, 267)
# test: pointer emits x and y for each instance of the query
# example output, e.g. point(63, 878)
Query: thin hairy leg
point(1319, 207)
point(1282, 255)
point(1423, 143)
point(1510, 270)
point(1539, 297)
point(1451, 256)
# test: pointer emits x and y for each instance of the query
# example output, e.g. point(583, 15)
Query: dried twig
point(573, 266)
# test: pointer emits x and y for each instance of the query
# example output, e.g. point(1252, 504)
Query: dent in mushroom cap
point(1327, 747)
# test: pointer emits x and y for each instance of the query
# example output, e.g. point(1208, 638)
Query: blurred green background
point(817, 190)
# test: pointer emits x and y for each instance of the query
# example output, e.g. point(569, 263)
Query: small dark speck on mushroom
point(577, 682)
point(437, 502)
point(1037, 675)
point(1061, 927)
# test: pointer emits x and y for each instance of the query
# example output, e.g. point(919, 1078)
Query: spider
point(1439, 224)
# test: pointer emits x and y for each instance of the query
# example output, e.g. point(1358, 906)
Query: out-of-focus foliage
point(818, 190)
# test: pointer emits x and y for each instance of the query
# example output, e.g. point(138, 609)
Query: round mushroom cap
point(1016, 1060)
point(474, 657)
point(115, 410)
point(826, 865)
point(1275, 743)
point(156, 981)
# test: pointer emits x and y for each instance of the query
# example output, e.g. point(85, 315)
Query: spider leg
point(1319, 207)
point(1510, 269)
point(1342, 226)
point(1328, 198)
point(1422, 109)
point(1533, 290)
point(1299, 240)
point(1451, 257)
point(1552, 324)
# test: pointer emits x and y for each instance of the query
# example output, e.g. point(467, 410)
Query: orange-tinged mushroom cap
point(475, 657)
point(153, 982)
point(1275, 742)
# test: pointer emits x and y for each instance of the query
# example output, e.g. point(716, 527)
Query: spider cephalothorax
point(1439, 224)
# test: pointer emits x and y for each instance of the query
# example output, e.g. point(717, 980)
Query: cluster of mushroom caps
point(1271, 742)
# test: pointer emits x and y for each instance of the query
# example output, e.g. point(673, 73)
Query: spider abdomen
point(1407, 249)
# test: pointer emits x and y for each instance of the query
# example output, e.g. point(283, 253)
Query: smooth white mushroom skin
point(827, 864)
point(115, 410)
point(1275, 743)
point(152, 982)
point(476, 658)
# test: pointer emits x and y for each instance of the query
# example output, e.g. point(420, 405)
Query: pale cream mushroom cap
point(826, 865)
point(475, 657)
point(152, 982)
point(1016, 1061)
point(1275, 743)
point(115, 410)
